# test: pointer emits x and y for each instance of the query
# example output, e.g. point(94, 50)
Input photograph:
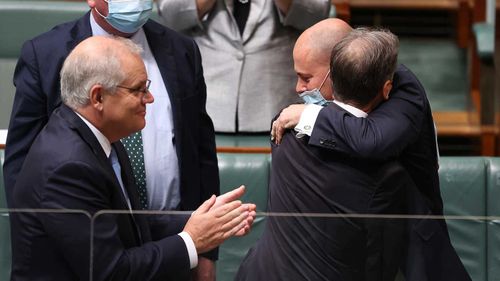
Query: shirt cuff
point(193, 255)
point(307, 120)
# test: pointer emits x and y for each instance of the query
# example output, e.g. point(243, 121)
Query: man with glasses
point(174, 156)
point(78, 163)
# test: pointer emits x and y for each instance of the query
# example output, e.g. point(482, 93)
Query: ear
point(96, 97)
point(387, 89)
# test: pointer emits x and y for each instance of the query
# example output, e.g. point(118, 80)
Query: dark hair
point(361, 63)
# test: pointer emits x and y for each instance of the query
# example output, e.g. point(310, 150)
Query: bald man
point(306, 180)
point(77, 162)
point(400, 128)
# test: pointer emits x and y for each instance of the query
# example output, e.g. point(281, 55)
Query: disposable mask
point(314, 96)
point(128, 16)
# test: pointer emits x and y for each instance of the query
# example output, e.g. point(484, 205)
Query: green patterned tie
point(133, 144)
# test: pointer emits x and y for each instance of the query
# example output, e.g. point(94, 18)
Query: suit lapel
point(162, 50)
point(133, 194)
point(103, 162)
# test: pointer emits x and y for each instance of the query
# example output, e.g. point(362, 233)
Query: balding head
point(320, 39)
point(311, 54)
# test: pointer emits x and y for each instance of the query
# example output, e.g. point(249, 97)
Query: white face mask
point(314, 96)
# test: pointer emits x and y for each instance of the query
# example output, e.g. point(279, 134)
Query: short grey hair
point(361, 63)
point(82, 70)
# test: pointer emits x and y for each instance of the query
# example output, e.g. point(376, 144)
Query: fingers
point(231, 195)
point(273, 130)
point(206, 205)
point(235, 225)
point(227, 208)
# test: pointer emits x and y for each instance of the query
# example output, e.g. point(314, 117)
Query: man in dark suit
point(400, 128)
point(179, 144)
point(305, 179)
point(78, 163)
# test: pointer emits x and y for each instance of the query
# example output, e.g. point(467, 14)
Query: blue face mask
point(314, 96)
point(128, 16)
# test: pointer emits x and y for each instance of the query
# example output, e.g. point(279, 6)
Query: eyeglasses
point(136, 91)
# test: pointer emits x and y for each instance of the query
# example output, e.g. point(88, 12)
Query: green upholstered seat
point(252, 170)
point(243, 140)
point(493, 226)
point(463, 187)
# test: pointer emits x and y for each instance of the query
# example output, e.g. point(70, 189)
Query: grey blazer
point(249, 77)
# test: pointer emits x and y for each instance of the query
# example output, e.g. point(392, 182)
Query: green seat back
point(463, 187)
point(252, 170)
point(493, 226)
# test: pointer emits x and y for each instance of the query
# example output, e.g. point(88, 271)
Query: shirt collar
point(103, 141)
point(351, 109)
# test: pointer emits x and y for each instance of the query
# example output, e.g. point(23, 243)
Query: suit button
point(240, 56)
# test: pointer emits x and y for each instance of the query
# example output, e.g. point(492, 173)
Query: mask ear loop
point(324, 80)
point(100, 13)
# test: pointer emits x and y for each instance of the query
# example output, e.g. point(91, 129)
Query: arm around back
point(387, 130)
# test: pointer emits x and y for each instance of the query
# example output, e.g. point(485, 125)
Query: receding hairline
point(322, 37)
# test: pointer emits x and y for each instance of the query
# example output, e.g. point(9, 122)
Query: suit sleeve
point(206, 145)
point(385, 133)
point(179, 14)
point(302, 14)
point(77, 185)
point(28, 117)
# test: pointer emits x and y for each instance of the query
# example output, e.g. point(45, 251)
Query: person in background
point(77, 162)
point(174, 156)
point(401, 127)
point(246, 46)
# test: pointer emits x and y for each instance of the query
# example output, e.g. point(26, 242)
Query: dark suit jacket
point(38, 93)
point(305, 179)
point(66, 168)
point(401, 128)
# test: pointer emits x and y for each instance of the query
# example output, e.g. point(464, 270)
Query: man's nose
point(148, 98)
point(300, 87)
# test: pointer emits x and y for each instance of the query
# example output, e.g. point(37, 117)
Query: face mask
point(128, 16)
point(314, 96)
